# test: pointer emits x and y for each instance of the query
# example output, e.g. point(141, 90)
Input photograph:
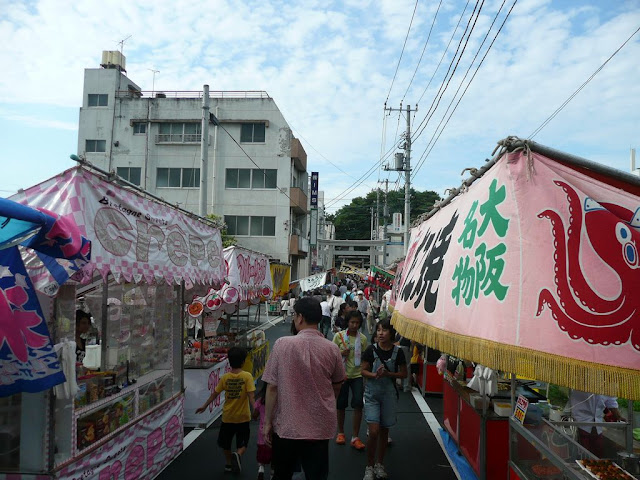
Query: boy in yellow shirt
point(238, 386)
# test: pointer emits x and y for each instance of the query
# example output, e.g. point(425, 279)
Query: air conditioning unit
point(113, 59)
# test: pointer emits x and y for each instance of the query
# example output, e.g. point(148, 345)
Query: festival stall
point(531, 268)
point(248, 284)
point(120, 412)
point(39, 250)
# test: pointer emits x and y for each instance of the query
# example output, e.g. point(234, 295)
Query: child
point(351, 343)
point(236, 414)
point(264, 451)
point(382, 364)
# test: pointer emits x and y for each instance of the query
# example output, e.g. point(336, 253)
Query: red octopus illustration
point(614, 233)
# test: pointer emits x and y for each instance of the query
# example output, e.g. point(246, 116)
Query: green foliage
point(622, 403)
point(353, 221)
point(227, 240)
point(558, 396)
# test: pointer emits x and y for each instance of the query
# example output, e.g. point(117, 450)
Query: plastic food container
point(502, 409)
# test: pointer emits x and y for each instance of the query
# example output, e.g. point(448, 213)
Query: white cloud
point(329, 66)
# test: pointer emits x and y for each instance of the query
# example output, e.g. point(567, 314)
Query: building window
point(139, 128)
point(256, 226)
point(98, 100)
point(252, 132)
point(251, 178)
point(179, 133)
point(95, 146)
point(178, 177)
point(130, 174)
point(191, 177)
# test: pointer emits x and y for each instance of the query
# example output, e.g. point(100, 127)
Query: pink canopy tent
point(532, 267)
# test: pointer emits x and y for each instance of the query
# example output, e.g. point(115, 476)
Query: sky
point(331, 67)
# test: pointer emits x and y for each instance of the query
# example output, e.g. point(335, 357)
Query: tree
point(353, 221)
point(227, 240)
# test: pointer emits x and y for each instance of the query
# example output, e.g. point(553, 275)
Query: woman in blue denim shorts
point(382, 363)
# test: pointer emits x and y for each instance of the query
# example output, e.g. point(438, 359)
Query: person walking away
point(264, 454)
point(236, 413)
point(325, 323)
point(590, 407)
point(363, 304)
point(284, 306)
point(384, 305)
point(351, 343)
point(405, 344)
point(334, 307)
point(382, 363)
point(290, 310)
point(304, 373)
point(417, 354)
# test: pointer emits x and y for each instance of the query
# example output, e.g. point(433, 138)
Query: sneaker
point(227, 469)
point(369, 474)
point(340, 439)
point(379, 471)
point(389, 441)
point(357, 444)
point(236, 463)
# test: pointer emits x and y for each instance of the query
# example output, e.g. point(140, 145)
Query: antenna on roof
point(153, 84)
point(121, 43)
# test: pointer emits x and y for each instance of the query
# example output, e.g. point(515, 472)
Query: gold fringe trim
point(568, 372)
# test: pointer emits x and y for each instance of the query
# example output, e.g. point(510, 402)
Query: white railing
point(180, 138)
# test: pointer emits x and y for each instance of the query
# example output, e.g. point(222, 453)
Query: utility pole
point(377, 224)
point(385, 210)
point(372, 224)
point(204, 152)
point(406, 168)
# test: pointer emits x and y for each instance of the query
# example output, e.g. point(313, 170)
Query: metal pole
point(407, 183)
point(204, 149)
point(385, 211)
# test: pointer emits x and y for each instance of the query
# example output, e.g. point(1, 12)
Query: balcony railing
point(191, 94)
point(298, 200)
point(180, 138)
point(298, 155)
point(298, 245)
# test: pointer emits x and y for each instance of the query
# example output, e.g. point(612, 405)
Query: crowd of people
point(311, 377)
point(327, 364)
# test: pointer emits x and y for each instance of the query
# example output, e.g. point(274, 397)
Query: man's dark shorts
point(356, 386)
point(227, 432)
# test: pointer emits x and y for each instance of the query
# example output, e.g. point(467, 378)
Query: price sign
point(521, 409)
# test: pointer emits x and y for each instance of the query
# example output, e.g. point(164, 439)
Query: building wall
point(127, 149)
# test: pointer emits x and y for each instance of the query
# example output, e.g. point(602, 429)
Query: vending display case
point(545, 451)
point(136, 364)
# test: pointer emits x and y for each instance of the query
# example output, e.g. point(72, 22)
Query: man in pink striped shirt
point(304, 373)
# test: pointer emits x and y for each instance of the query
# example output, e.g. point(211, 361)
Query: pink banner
point(139, 452)
point(534, 255)
point(133, 237)
point(249, 273)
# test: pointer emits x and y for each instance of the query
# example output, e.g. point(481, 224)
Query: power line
point(445, 51)
point(425, 154)
point(564, 104)
point(441, 91)
point(422, 54)
point(402, 52)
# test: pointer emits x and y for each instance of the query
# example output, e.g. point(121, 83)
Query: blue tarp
point(462, 466)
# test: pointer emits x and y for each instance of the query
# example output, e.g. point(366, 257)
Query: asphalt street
point(415, 453)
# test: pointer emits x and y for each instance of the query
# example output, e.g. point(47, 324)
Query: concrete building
point(257, 171)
